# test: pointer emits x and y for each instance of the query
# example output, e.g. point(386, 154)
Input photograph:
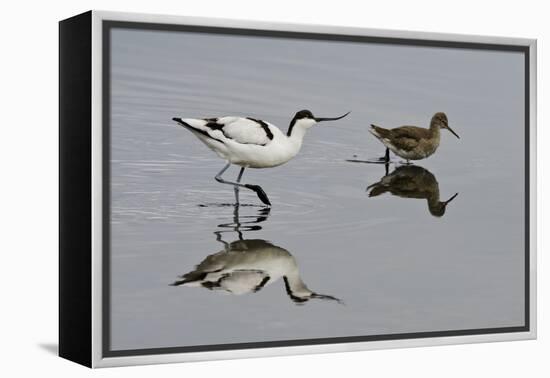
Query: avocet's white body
point(251, 143)
point(248, 142)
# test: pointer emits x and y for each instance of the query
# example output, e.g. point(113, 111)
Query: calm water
point(392, 266)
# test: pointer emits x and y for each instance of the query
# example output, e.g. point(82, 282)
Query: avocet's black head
point(304, 114)
point(306, 119)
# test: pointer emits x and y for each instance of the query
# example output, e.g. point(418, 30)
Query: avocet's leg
point(236, 188)
point(220, 173)
point(236, 220)
point(256, 188)
point(240, 174)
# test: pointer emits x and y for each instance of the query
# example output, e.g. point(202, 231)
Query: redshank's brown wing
point(407, 137)
point(380, 132)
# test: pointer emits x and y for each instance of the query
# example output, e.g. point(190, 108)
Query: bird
point(251, 143)
point(412, 142)
point(412, 181)
point(248, 265)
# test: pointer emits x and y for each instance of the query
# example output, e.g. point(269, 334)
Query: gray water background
point(397, 268)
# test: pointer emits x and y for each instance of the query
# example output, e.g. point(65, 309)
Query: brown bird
point(412, 181)
point(412, 142)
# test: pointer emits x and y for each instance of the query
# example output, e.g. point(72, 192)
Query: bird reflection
point(248, 265)
point(412, 181)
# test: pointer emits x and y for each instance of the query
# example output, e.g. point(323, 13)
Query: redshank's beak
point(331, 119)
point(451, 130)
point(450, 199)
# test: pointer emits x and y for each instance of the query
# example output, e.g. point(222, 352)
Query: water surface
point(393, 266)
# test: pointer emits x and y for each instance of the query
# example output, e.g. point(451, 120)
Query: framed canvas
point(235, 189)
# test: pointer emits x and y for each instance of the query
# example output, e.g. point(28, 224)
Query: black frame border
point(108, 25)
point(75, 189)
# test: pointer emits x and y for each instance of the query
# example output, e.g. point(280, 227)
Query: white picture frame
point(82, 275)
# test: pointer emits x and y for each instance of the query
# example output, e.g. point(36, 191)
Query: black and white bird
point(251, 143)
point(247, 266)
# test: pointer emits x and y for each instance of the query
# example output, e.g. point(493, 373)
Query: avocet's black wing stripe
point(262, 284)
point(235, 129)
point(243, 130)
point(213, 125)
point(188, 126)
point(264, 126)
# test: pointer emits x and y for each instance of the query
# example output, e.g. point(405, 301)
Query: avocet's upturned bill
point(251, 143)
